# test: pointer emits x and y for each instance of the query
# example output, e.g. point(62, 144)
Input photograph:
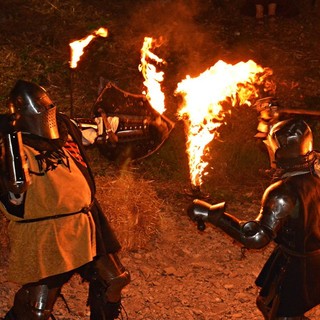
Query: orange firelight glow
point(153, 78)
point(202, 109)
point(78, 46)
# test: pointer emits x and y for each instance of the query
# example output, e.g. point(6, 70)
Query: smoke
point(179, 24)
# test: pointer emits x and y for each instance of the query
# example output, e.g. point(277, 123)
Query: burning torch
point(203, 112)
point(153, 78)
point(77, 50)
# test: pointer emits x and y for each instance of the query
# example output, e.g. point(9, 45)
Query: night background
point(177, 272)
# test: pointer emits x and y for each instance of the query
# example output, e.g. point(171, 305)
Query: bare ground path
point(181, 275)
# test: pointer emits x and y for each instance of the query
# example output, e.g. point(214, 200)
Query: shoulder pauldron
point(279, 202)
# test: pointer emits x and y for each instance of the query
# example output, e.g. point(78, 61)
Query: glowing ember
point(78, 46)
point(153, 78)
point(202, 109)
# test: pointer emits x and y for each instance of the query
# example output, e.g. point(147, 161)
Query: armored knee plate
point(34, 302)
point(107, 280)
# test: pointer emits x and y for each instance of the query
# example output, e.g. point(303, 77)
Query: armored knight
point(57, 227)
point(289, 216)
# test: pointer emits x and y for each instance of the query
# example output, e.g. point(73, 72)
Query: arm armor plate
point(251, 234)
point(278, 202)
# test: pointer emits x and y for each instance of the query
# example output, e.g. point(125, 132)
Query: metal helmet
point(290, 144)
point(34, 110)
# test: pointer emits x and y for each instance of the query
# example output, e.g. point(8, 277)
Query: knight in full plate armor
point(289, 216)
point(57, 227)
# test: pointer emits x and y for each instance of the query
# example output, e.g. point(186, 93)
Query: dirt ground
point(180, 273)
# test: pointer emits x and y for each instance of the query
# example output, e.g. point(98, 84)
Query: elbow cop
point(254, 236)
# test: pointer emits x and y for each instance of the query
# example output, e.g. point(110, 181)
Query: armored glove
point(201, 211)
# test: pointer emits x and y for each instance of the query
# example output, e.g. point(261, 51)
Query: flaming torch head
point(202, 108)
point(78, 46)
point(153, 78)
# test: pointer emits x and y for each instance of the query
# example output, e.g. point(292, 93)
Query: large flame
point(78, 46)
point(202, 105)
point(153, 78)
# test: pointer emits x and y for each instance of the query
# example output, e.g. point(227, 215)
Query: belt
point(83, 210)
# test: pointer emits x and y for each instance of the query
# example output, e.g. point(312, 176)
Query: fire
point(153, 78)
point(202, 107)
point(78, 46)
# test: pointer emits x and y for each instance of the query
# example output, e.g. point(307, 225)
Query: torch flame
point(153, 78)
point(202, 107)
point(78, 46)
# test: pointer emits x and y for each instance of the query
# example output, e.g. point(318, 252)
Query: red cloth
point(73, 149)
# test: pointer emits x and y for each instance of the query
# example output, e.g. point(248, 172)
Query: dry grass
point(132, 207)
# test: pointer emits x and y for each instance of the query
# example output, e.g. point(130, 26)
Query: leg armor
point(107, 277)
point(33, 302)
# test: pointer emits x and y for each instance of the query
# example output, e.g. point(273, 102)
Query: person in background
point(289, 216)
point(265, 8)
point(270, 9)
point(57, 227)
